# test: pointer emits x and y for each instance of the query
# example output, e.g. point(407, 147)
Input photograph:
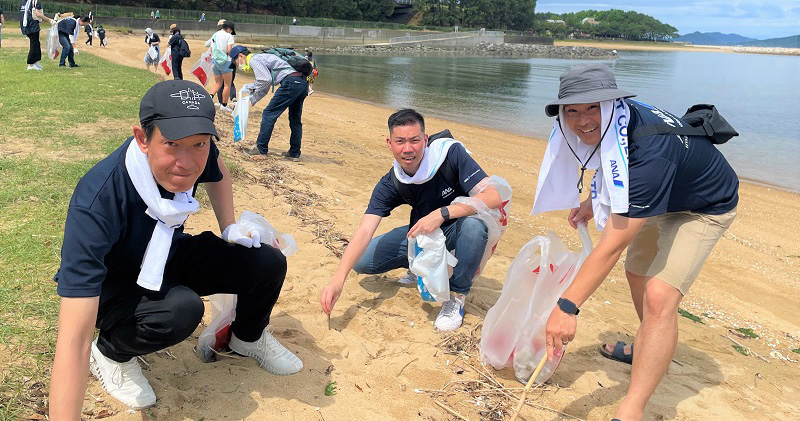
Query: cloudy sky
point(754, 19)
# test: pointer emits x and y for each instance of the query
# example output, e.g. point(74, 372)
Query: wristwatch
point(445, 213)
point(568, 306)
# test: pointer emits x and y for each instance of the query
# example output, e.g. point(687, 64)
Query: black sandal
point(618, 354)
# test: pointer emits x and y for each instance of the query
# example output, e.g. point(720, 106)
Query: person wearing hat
point(668, 198)
point(220, 44)
point(153, 42)
point(128, 268)
point(270, 70)
point(177, 44)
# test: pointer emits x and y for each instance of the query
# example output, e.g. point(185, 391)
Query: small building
point(589, 21)
point(557, 21)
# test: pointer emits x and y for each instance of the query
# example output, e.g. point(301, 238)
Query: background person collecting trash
point(179, 49)
point(153, 54)
point(68, 30)
point(221, 43)
point(668, 198)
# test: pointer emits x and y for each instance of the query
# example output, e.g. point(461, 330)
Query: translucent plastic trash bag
point(202, 68)
point(53, 45)
point(429, 259)
point(217, 335)
point(514, 328)
point(240, 116)
point(166, 61)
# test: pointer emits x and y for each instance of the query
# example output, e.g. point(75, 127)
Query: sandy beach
point(381, 345)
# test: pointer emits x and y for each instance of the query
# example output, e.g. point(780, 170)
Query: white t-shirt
point(223, 39)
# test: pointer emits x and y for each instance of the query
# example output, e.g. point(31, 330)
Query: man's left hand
point(560, 330)
point(427, 224)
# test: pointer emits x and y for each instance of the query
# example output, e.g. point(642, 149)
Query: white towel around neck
point(170, 214)
point(434, 156)
point(558, 177)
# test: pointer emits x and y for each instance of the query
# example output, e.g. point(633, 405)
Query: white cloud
point(755, 19)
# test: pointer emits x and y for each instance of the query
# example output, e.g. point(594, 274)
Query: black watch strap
point(445, 213)
point(568, 306)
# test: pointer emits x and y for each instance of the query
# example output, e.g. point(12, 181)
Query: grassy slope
point(55, 125)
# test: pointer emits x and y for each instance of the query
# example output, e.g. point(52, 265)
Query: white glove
point(232, 234)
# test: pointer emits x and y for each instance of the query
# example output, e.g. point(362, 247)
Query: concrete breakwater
point(487, 49)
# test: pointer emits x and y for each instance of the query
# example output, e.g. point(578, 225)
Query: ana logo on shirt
point(447, 192)
point(190, 98)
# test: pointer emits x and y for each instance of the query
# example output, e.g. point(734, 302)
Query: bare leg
point(656, 341)
point(226, 91)
point(636, 283)
point(217, 85)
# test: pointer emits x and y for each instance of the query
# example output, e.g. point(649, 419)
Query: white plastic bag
point(240, 116)
point(166, 61)
point(217, 334)
point(202, 69)
point(495, 220)
point(429, 259)
point(53, 45)
point(514, 328)
point(153, 53)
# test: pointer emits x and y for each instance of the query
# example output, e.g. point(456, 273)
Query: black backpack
point(701, 119)
point(450, 176)
point(298, 62)
point(185, 51)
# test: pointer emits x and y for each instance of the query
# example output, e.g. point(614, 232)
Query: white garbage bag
point(153, 53)
point(53, 46)
point(166, 61)
point(514, 328)
point(240, 116)
point(429, 259)
point(202, 69)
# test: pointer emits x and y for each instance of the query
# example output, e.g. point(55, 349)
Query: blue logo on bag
point(423, 290)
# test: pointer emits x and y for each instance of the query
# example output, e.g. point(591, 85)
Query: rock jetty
point(483, 49)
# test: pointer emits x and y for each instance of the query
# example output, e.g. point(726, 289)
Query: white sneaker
point(225, 108)
point(270, 354)
point(123, 381)
point(38, 65)
point(452, 313)
point(408, 278)
point(310, 91)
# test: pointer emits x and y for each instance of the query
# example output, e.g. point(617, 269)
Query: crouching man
point(129, 269)
point(429, 179)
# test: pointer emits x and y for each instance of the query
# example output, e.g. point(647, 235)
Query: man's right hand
point(582, 213)
point(329, 295)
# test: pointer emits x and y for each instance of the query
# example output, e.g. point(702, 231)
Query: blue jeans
point(291, 94)
point(468, 236)
point(67, 52)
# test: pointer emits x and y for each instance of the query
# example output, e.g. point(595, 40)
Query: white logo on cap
point(189, 97)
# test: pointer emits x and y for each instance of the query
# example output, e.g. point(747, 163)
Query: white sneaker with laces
point(408, 278)
point(452, 313)
point(225, 108)
point(270, 354)
point(123, 381)
point(37, 65)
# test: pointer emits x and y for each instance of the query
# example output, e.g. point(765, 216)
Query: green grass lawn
point(54, 125)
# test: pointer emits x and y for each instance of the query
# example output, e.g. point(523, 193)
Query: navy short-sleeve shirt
point(33, 24)
point(430, 195)
point(671, 173)
point(107, 230)
point(67, 26)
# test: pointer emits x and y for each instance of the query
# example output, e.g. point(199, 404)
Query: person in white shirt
point(221, 43)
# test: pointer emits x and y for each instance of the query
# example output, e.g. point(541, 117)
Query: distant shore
point(664, 46)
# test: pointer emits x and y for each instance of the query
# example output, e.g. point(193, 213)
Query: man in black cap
point(128, 268)
point(667, 197)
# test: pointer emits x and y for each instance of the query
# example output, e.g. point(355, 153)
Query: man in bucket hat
point(128, 268)
point(668, 198)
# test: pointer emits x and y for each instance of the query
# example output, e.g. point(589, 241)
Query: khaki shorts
point(674, 246)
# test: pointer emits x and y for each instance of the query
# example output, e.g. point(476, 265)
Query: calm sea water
point(758, 94)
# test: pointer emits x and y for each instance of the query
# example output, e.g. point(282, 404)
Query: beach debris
point(451, 411)
point(359, 388)
point(690, 316)
point(404, 367)
point(329, 370)
point(330, 388)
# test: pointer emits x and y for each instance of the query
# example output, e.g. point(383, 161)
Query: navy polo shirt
point(431, 195)
point(67, 26)
point(107, 230)
point(671, 173)
point(33, 24)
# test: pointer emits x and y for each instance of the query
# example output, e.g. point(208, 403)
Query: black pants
point(88, 41)
point(177, 62)
point(233, 89)
point(135, 321)
point(35, 51)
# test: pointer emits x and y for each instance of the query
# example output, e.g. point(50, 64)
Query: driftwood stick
point(451, 411)
point(528, 387)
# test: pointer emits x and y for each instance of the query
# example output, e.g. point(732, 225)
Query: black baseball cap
point(228, 24)
point(179, 108)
